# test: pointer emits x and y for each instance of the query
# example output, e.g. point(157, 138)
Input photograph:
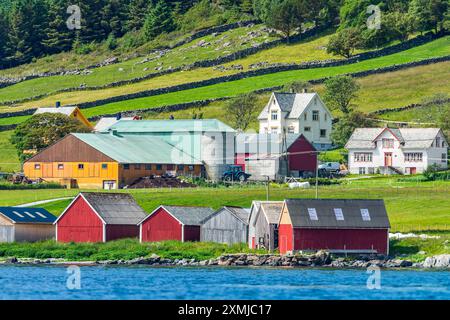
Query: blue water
point(50, 282)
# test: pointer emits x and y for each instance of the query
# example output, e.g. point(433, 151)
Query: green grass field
point(427, 114)
point(9, 161)
point(437, 48)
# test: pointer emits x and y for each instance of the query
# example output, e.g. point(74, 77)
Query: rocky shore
point(321, 259)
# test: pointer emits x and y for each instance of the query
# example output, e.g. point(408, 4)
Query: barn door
point(6, 234)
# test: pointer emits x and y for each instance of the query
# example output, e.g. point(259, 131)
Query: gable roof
point(63, 110)
point(351, 209)
point(270, 209)
point(265, 143)
point(191, 216)
point(112, 208)
point(241, 214)
point(27, 215)
point(106, 122)
point(293, 104)
point(154, 126)
point(410, 138)
point(135, 148)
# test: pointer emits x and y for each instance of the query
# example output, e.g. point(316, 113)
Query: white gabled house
point(298, 113)
point(391, 151)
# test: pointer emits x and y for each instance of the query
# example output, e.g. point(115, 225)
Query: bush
point(11, 186)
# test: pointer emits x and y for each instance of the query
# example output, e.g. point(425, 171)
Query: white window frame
point(339, 214)
point(312, 212)
point(365, 214)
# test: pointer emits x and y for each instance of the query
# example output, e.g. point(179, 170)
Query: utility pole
point(267, 189)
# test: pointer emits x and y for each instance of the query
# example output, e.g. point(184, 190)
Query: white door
point(109, 185)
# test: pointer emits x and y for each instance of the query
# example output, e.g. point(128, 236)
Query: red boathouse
point(340, 226)
point(173, 223)
point(99, 217)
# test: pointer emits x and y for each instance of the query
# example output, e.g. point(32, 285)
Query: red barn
point(261, 155)
point(99, 217)
point(174, 223)
point(351, 226)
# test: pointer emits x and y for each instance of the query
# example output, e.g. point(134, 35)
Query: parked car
point(330, 166)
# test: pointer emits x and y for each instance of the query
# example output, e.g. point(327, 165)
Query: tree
point(286, 16)
point(297, 86)
point(4, 31)
point(429, 14)
point(137, 11)
point(241, 110)
point(57, 36)
point(42, 130)
point(159, 19)
point(339, 93)
point(262, 8)
point(345, 42)
point(343, 129)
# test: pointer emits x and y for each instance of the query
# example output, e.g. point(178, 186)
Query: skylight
point(313, 214)
point(339, 214)
point(18, 214)
point(41, 215)
point(365, 214)
point(29, 214)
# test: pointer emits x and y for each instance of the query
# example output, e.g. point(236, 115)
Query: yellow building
point(72, 112)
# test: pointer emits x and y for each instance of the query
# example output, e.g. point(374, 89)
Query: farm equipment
point(235, 173)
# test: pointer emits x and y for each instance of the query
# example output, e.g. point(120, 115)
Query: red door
point(253, 243)
point(388, 159)
point(413, 170)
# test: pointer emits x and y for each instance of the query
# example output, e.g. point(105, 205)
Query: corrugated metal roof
point(115, 208)
point(136, 148)
point(27, 215)
point(411, 138)
point(302, 211)
point(106, 122)
point(63, 110)
point(191, 216)
point(143, 126)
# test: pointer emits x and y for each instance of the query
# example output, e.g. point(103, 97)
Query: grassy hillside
point(9, 161)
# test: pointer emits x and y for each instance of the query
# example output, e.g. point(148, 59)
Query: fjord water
point(50, 282)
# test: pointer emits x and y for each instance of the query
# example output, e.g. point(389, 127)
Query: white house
point(301, 113)
point(390, 151)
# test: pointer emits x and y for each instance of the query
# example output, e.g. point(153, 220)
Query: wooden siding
point(161, 226)
point(265, 233)
point(6, 233)
point(340, 239)
point(136, 171)
point(224, 227)
point(33, 232)
point(285, 234)
point(114, 232)
point(299, 161)
point(80, 224)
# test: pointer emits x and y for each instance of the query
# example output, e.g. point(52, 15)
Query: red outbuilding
point(340, 226)
point(173, 223)
point(99, 217)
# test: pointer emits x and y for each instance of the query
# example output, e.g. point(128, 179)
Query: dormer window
point(274, 115)
point(388, 143)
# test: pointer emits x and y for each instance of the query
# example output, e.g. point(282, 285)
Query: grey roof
point(411, 138)
point(63, 110)
point(272, 211)
point(293, 104)
point(264, 143)
point(27, 215)
point(191, 216)
point(115, 208)
point(351, 209)
point(241, 213)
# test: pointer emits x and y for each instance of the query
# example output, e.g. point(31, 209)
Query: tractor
point(235, 173)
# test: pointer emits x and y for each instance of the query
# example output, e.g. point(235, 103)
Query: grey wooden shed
point(227, 225)
point(263, 224)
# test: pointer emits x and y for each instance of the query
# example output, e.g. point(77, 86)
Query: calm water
point(50, 282)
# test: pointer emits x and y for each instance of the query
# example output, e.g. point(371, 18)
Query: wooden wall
point(160, 226)
point(136, 171)
point(224, 227)
point(34, 232)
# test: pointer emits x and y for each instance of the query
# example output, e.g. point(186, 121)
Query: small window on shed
point(148, 167)
point(365, 214)
point(40, 215)
point(80, 166)
point(313, 214)
point(104, 166)
point(29, 214)
point(18, 214)
point(60, 166)
point(126, 167)
point(37, 166)
point(339, 214)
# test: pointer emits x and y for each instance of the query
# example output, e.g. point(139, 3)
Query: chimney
point(114, 133)
point(305, 90)
point(119, 116)
point(58, 104)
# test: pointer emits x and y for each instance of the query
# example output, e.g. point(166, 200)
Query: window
point(80, 166)
point(191, 168)
point(291, 129)
point(326, 116)
point(37, 166)
point(323, 133)
point(362, 170)
point(414, 157)
point(148, 167)
point(444, 158)
point(29, 214)
point(274, 115)
point(104, 166)
point(137, 167)
point(274, 129)
point(180, 167)
point(365, 214)
point(126, 167)
point(315, 115)
point(363, 157)
point(443, 144)
point(339, 214)
point(170, 167)
point(18, 214)
point(438, 142)
point(371, 170)
point(40, 215)
point(159, 167)
point(313, 214)
point(305, 116)
point(307, 129)
point(388, 143)
point(60, 166)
